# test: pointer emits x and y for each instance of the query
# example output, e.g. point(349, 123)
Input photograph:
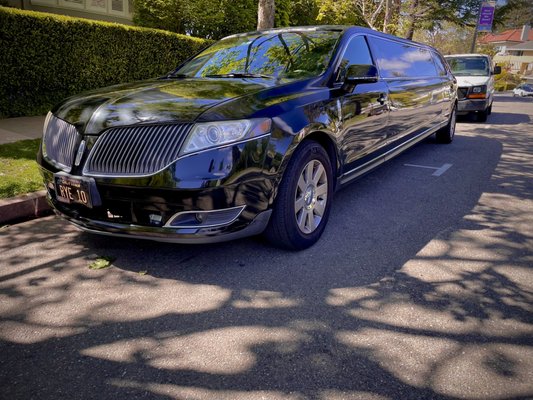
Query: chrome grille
point(59, 142)
point(135, 151)
point(462, 92)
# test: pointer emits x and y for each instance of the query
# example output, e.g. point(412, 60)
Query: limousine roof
point(339, 28)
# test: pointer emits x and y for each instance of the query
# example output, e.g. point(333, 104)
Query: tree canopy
point(420, 19)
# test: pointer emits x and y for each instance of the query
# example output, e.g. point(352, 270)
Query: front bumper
point(470, 105)
point(172, 235)
point(163, 207)
point(129, 212)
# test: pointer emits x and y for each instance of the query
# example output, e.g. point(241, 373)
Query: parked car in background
point(523, 90)
point(253, 135)
point(475, 78)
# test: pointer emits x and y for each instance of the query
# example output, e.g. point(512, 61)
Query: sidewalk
point(29, 205)
point(15, 129)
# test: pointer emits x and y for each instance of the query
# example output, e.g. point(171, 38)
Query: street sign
point(486, 16)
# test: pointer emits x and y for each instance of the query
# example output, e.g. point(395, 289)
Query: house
point(514, 49)
point(511, 37)
point(519, 58)
point(104, 10)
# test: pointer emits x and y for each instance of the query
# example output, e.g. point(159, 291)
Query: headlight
point(478, 92)
point(215, 134)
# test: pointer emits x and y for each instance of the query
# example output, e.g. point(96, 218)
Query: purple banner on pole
point(486, 16)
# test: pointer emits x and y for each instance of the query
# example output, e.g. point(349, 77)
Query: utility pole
point(473, 47)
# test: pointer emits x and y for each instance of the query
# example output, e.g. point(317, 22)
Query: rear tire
point(302, 206)
point(446, 134)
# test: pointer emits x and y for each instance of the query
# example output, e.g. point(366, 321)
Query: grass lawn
point(19, 172)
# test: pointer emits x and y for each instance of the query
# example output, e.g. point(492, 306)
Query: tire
point(446, 134)
point(490, 110)
point(301, 209)
point(483, 115)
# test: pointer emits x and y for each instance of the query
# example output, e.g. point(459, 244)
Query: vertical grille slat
point(147, 158)
point(135, 151)
point(168, 150)
point(60, 141)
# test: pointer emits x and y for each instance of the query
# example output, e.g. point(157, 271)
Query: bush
point(506, 80)
point(46, 57)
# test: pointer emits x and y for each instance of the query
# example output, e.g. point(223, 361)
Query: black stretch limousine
point(253, 135)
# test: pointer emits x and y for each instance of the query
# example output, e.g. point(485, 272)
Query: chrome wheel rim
point(311, 196)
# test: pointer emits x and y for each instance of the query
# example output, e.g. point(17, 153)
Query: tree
point(265, 14)
point(339, 12)
point(303, 12)
point(211, 19)
point(432, 13)
point(514, 14)
point(447, 38)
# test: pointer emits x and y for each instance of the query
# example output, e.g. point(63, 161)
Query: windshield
point(278, 55)
point(469, 66)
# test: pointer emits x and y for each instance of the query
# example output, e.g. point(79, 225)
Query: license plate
point(73, 190)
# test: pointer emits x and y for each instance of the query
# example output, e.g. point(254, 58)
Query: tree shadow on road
point(372, 311)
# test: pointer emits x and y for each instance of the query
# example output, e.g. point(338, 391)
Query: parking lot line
point(438, 170)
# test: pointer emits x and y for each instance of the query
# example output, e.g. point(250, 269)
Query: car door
point(364, 110)
point(447, 88)
point(413, 86)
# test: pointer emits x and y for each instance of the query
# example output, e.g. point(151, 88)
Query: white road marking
point(438, 170)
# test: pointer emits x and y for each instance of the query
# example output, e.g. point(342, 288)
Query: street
point(420, 288)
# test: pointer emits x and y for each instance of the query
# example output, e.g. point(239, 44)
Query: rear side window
point(357, 53)
point(400, 60)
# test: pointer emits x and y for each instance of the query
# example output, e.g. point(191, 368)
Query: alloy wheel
point(311, 196)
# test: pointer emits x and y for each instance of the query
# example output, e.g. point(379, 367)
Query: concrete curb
point(26, 206)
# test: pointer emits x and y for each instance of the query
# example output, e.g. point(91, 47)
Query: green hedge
point(45, 58)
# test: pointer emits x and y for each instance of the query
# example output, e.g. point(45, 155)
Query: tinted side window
point(399, 60)
point(439, 63)
point(355, 53)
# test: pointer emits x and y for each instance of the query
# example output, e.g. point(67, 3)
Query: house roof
point(522, 46)
point(510, 35)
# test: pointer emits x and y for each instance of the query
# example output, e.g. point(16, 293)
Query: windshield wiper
point(239, 75)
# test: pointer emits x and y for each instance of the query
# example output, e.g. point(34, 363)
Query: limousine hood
point(181, 100)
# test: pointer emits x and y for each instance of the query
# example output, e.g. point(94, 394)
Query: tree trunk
point(388, 14)
point(265, 14)
point(411, 19)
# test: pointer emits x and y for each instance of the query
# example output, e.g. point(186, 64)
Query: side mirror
point(356, 74)
point(497, 70)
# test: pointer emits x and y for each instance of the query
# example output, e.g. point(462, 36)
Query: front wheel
point(302, 206)
point(446, 134)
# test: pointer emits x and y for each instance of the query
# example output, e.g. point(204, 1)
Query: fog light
point(205, 219)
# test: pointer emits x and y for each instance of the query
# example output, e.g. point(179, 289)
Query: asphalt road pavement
point(420, 288)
